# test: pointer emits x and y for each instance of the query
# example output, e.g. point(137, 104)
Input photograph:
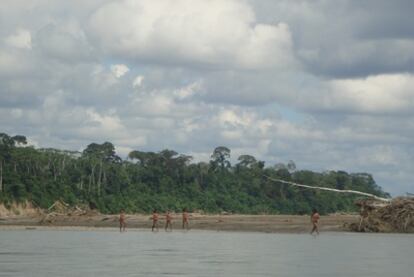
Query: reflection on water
point(103, 253)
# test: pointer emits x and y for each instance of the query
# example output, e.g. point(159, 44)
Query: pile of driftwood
point(396, 215)
point(60, 208)
point(378, 214)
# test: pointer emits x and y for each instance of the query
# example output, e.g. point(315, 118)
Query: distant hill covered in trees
point(167, 180)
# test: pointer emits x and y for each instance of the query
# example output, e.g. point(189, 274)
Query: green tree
point(166, 179)
point(220, 158)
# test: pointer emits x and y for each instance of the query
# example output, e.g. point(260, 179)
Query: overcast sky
point(328, 84)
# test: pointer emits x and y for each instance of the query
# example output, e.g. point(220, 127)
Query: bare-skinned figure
point(122, 222)
point(168, 221)
point(186, 217)
point(154, 218)
point(315, 221)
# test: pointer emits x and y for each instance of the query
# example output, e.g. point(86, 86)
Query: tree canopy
point(167, 180)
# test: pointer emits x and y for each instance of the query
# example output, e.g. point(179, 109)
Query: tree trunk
point(37, 169)
point(104, 178)
point(282, 193)
point(99, 178)
point(63, 164)
point(54, 171)
point(92, 178)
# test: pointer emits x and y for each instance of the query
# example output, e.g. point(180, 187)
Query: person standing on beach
point(122, 223)
point(168, 221)
point(154, 221)
point(185, 219)
point(315, 219)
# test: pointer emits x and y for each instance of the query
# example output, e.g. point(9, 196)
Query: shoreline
point(234, 223)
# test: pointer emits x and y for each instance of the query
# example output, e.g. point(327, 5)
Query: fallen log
point(59, 204)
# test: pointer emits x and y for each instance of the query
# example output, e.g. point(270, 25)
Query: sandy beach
point(231, 222)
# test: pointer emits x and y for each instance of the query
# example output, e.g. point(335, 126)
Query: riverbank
point(247, 223)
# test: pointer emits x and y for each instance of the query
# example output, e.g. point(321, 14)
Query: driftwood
point(59, 209)
point(378, 214)
point(49, 218)
point(59, 205)
point(396, 216)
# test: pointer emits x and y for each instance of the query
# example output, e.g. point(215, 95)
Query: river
point(106, 252)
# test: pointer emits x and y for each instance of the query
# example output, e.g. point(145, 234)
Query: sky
point(327, 84)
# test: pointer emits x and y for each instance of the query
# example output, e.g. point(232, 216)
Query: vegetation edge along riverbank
point(166, 180)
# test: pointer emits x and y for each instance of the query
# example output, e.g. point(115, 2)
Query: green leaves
point(167, 180)
point(104, 151)
point(219, 158)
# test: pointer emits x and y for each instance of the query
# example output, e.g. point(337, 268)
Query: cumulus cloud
point(119, 70)
point(344, 39)
point(274, 79)
point(188, 91)
point(207, 33)
point(389, 94)
point(138, 81)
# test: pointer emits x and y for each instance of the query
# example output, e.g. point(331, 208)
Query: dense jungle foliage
point(167, 180)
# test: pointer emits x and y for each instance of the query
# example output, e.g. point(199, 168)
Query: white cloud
point(119, 70)
point(103, 78)
point(110, 123)
point(229, 117)
point(123, 151)
point(188, 91)
point(21, 39)
point(138, 81)
point(375, 94)
point(208, 33)
point(185, 76)
point(386, 94)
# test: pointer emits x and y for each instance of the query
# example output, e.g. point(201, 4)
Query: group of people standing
point(155, 218)
point(168, 221)
point(185, 220)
